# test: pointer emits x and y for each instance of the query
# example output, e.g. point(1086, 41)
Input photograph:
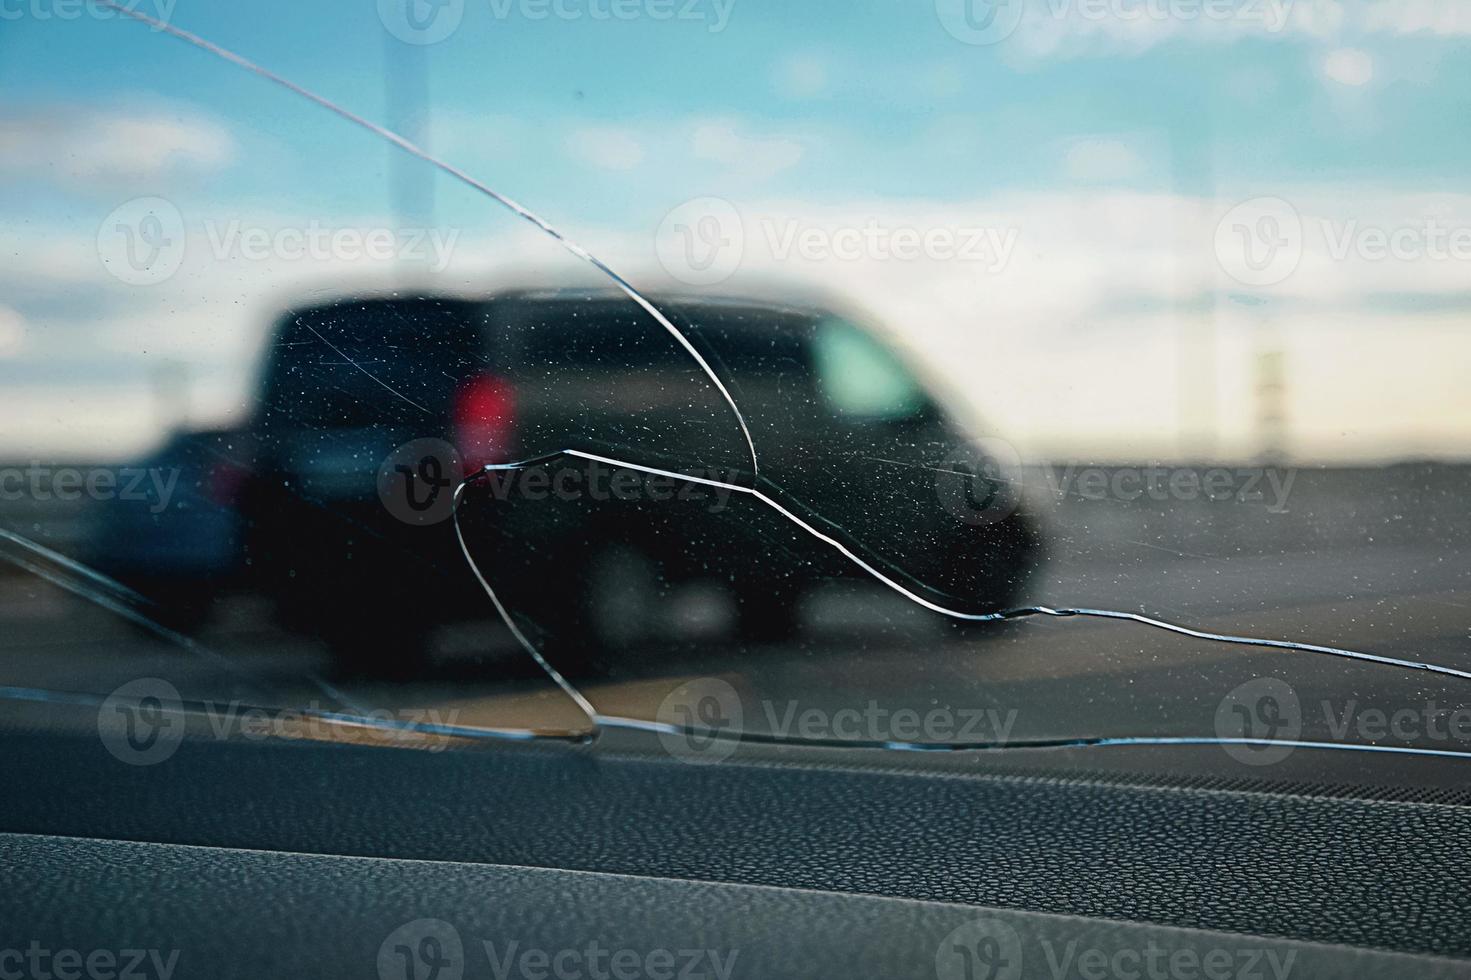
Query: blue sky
point(867, 86)
point(1098, 136)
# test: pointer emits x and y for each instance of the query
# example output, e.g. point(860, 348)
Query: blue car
point(172, 529)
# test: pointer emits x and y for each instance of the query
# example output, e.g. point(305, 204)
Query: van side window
point(861, 378)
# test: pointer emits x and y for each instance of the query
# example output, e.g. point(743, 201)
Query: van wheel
point(770, 614)
point(378, 648)
point(615, 613)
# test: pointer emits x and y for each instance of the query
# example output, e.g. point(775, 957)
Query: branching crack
point(110, 595)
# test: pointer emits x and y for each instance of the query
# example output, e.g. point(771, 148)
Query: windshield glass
point(475, 376)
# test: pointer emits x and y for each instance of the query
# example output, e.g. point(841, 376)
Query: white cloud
point(12, 332)
point(68, 145)
point(1069, 346)
point(1444, 17)
point(606, 147)
point(1053, 29)
point(492, 136)
point(1349, 66)
point(752, 156)
point(803, 76)
point(1102, 159)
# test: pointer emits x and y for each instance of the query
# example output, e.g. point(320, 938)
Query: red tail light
point(485, 420)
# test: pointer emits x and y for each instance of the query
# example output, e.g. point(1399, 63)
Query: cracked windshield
point(1031, 376)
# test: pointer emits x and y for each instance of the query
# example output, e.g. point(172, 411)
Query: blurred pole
point(406, 96)
point(170, 387)
point(1192, 139)
point(1269, 382)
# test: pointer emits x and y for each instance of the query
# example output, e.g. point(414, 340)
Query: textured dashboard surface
point(1391, 875)
point(206, 912)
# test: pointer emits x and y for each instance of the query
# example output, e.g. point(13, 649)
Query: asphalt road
point(867, 652)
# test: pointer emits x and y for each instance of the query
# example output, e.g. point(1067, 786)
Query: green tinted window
point(860, 376)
